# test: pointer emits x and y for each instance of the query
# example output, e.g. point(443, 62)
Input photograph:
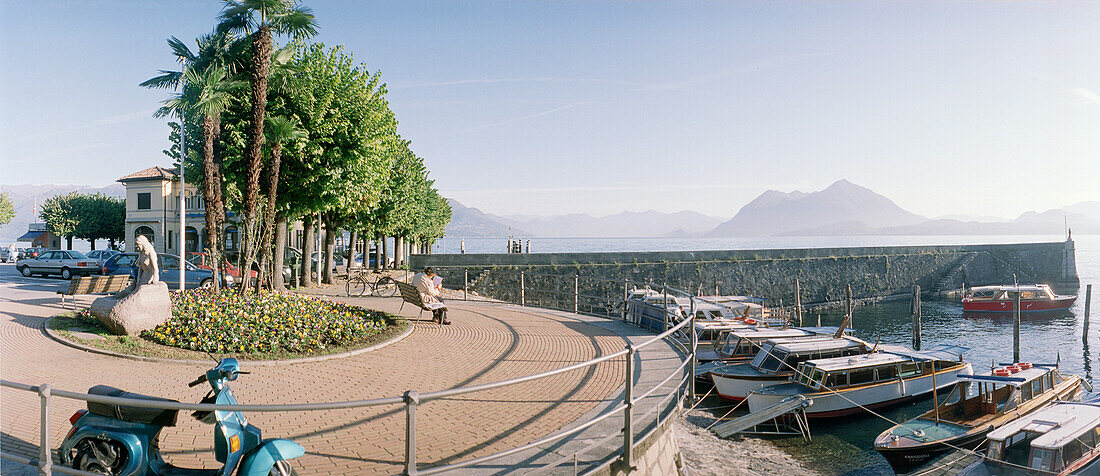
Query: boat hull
point(905, 459)
point(1027, 305)
point(738, 387)
point(831, 405)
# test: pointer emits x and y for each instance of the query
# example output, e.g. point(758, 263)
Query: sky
point(980, 108)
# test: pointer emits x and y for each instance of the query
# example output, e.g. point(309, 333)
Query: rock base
point(145, 308)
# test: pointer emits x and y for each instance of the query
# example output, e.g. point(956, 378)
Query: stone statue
point(141, 306)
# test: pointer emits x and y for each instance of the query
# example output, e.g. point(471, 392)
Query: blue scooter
point(123, 440)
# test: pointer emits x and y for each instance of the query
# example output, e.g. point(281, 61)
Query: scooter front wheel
point(282, 468)
point(100, 456)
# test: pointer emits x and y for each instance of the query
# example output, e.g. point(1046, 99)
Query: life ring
point(1024, 365)
point(750, 321)
point(1002, 373)
point(1013, 368)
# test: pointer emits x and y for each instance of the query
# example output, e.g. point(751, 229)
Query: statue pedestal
point(146, 307)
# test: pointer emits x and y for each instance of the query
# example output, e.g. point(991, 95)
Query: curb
point(320, 358)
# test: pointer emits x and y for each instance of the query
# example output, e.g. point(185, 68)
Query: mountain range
point(842, 208)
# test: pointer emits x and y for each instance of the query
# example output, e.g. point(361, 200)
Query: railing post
point(628, 413)
point(576, 292)
point(45, 459)
point(411, 400)
point(694, 349)
point(522, 289)
point(465, 284)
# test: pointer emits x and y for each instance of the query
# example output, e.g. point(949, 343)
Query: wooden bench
point(94, 285)
point(411, 295)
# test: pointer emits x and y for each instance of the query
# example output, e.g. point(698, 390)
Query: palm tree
point(280, 130)
point(259, 19)
point(206, 92)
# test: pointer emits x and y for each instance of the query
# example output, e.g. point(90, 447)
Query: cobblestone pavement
point(488, 342)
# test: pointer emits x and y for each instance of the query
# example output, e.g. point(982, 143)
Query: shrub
point(262, 322)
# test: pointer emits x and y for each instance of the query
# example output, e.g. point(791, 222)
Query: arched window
point(144, 230)
point(231, 238)
point(192, 240)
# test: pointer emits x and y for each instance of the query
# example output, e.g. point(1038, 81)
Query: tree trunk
point(212, 199)
point(377, 253)
point(69, 242)
point(261, 62)
point(277, 283)
point(351, 250)
point(309, 228)
point(398, 251)
point(330, 250)
point(269, 213)
point(92, 243)
point(385, 254)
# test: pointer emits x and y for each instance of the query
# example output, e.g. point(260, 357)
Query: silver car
point(64, 263)
point(101, 257)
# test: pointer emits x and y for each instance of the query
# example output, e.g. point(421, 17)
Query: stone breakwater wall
point(823, 273)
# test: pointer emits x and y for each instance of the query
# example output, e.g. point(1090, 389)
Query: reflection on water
point(846, 446)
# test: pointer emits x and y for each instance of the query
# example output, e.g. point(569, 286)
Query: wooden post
point(915, 309)
point(1088, 304)
point(798, 300)
point(935, 397)
point(848, 297)
point(1016, 328)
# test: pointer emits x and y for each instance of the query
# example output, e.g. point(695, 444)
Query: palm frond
point(165, 80)
point(180, 49)
point(298, 22)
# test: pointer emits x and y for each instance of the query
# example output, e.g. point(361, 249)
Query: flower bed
point(262, 323)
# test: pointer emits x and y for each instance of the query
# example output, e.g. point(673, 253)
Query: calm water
point(846, 447)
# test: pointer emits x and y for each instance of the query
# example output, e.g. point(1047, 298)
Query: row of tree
point(85, 216)
point(288, 133)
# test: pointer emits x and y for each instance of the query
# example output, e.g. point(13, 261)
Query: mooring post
point(45, 459)
point(628, 413)
point(522, 289)
point(915, 309)
point(626, 293)
point(664, 286)
point(1088, 304)
point(798, 300)
point(411, 400)
point(576, 292)
point(1016, 328)
point(694, 352)
point(848, 297)
point(465, 284)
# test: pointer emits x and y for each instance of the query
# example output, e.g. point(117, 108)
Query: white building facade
point(153, 210)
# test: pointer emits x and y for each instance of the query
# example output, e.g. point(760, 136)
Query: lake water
point(845, 447)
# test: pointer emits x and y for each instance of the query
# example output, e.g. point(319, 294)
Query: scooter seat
point(148, 416)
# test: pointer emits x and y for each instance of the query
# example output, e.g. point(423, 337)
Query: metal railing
point(411, 399)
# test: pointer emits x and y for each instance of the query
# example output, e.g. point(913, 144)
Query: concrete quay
point(488, 342)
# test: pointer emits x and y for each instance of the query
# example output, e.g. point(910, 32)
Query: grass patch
point(75, 325)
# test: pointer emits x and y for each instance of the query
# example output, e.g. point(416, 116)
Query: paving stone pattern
point(488, 342)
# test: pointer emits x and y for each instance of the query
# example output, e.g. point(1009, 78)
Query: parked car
point(64, 263)
point(32, 253)
point(202, 260)
point(101, 256)
point(124, 263)
point(6, 255)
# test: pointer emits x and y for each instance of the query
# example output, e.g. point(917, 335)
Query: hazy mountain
point(843, 205)
point(625, 224)
point(976, 218)
point(1088, 209)
point(24, 198)
point(1050, 222)
point(469, 222)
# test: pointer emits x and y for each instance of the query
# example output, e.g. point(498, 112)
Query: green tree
point(62, 215)
point(259, 19)
point(100, 217)
point(280, 130)
point(7, 209)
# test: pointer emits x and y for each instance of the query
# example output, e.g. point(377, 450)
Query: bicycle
point(359, 285)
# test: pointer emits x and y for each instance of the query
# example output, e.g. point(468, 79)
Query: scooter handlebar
point(201, 379)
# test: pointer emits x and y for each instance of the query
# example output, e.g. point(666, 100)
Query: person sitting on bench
point(429, 292)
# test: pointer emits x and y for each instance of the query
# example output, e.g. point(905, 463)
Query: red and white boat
point(1033, 298)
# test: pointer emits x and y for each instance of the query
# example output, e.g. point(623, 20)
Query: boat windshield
point(760, 356)
point(773, 361)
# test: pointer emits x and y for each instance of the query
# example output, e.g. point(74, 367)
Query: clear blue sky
point(987, 108)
